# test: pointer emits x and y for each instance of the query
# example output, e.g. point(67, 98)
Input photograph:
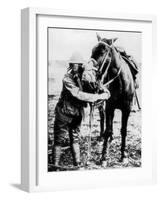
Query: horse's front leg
point(125, 116)
point(102, 121)
point(107, 136)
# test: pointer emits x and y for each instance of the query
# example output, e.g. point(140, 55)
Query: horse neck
point(124, 80)
point(114, 65)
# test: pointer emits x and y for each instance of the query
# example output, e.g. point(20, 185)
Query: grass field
point(133, 144)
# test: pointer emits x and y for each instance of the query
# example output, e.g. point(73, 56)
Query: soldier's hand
point(103, 88)
point(104, 96)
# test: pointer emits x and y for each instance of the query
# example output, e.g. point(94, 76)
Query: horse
point(112, 73)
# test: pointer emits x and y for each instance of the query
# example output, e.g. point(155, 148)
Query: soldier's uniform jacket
point(72, 98)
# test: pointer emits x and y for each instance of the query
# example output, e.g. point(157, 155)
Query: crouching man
point(69, 110)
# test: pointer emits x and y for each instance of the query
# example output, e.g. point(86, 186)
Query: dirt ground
point(133, 141)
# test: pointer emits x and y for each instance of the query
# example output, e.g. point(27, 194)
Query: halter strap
point(110, 81)
point(106, 70)
point(102, 42)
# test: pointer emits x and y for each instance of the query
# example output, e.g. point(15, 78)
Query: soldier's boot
point(76, 154)
point(56, 155)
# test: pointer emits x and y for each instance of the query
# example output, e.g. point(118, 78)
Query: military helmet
point(76, 58)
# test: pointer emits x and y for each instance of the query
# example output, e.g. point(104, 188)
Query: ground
point(133, 141)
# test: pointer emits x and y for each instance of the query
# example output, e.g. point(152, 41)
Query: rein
point(105, 56)
point(102, 65)
point(105, 73)
point(110, 81)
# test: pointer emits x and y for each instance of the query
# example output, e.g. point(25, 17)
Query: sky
point(63, 42)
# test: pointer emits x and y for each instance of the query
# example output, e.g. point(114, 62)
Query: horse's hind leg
point(108, 134)
point(125, 116)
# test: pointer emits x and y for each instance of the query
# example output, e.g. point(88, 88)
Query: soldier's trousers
point(64, 125)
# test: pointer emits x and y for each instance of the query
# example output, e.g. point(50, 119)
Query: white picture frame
point(31, 74)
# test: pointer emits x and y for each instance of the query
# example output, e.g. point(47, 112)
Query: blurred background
point(63, 42)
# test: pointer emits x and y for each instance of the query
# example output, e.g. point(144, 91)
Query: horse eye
point(102, 53)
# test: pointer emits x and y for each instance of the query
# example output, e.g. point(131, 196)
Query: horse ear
point(114, 40)
point(98, 37)
point(111, 41)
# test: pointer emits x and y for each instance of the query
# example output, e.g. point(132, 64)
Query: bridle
point(109, 63)
point(106, 56)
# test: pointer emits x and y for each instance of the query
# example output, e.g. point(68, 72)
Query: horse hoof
point(125, 161)
point(121, 159)
point(88, 163)
point(104, 164)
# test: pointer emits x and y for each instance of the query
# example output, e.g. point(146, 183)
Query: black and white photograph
point(94, 99)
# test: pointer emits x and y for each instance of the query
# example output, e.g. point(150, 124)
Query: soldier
point(69, 110)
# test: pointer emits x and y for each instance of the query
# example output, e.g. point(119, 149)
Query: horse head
point(95, 69)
